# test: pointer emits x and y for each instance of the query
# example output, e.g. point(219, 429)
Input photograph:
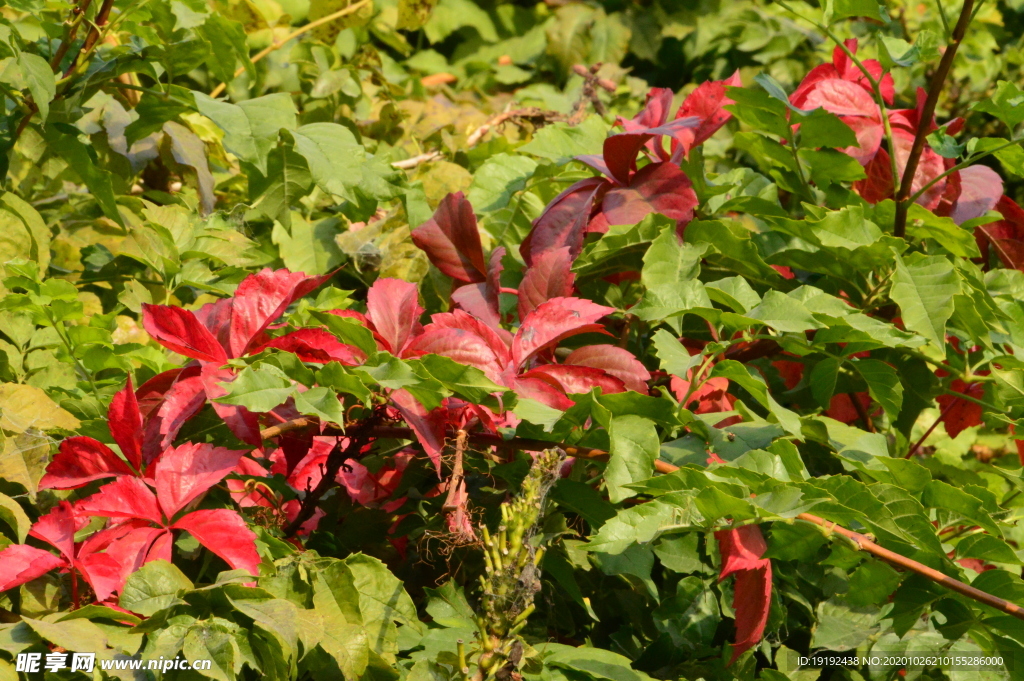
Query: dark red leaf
point(58, 527)
point(980, 191)
point(554, 321)
point(959, 414)
point(656, 188)
point(216, 317)
point(451, 240)
point(550, 277)
point(655, 113)
point(615, 361)
point(316, 345)
point(464, 339)
point(20, 563)
point(181, 402)
point(103, 572)
point(179, 330)
point(125, 423)
point(80, 461)
point(124, 498)
point(1006, 235)
point(225, 533)
point(184, 473)
point(543, 391)
point(573, 379)
point(392, 306)
point(260, 299)
point(564, 221)
point(742, 550)
point(429, 426)
point(878, 185)
point(620, 150)
point(705, 104)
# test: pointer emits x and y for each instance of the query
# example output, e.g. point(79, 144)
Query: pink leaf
point(260, 299)
point(225, 533)
point(186, 472)
point(316, 345)
point(179, 330)
point(656, 188)
point(705, 103)
point(291, 510)
point(476, 299)
point(150, 394)
point(57, 528)
point(80, 461)
point(242, 422)
point(451, 240)
point(539, 389)
point(742, 550)
point(464, 339)
point(392, 306)
point(181, 402)
point(615, 361)
point(980, 191)
point(564, 221)
point(842, 98)
point(125, 423)
point(550, 277)
point(20, 563)
point(429, 426)
point(553, 321)
point(573, 379)
point(928, 168)
point(124, 498)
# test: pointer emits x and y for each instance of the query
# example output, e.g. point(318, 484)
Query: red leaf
point(617, 362)
point(620, 150)
point(656, 188)
point(554, 321)
point(258, 497)
point(20, 563)
point(308, 471)
point(150, 394)
point(742, 550)
point(260, 299)
point(959, 414)
point(368, 488)
point(124, 498)
point(550, 277)
point(843, 68)
point(464, 339)
point(186, 472)
point(1007, 235)
point(125, 423)
point(841, 407)
point(225, 533)
point(539, 389)
point(476, 299)
point(80, 461)
point(392, 306)
point(655, 112)
point(242, 422)
point(216, 317)
point(878, 185)
point(840, 97)
point(179, 330)
point(103, 572)
point(564, 220)
point(929, 167)
point(316, 345)
point(705, 103)
point(182, 401)
point(711, 396)
point(980, 191)
point(574, 379)
point(57, 528)
point(429, 426)
point(451, 240)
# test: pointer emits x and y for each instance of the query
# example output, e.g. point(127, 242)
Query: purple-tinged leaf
point(564, 222)
point(392, 306)
point(554, 321)
point(615, 361)
point(451, 240)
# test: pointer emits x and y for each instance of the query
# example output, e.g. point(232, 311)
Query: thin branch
point(927, 114)
point(920, 441)
point(278, 44)
point(102, 16)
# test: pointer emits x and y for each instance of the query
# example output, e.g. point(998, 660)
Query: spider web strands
point(863, 542)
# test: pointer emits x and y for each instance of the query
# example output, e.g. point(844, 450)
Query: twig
point(278, 44)
point(927, 114)
point(456, 482)
point(94, 35)
point(917, 445)
point(862, 413)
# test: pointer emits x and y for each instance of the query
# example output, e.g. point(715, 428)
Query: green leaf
point(537, 413)
point(634, 446)
point(837, 10)
point(750, 380)
point(258, 389)
point(99, 181)
point(321, 402)
point(820, 128)
point(498, 179)
point(673, 355)
point(938, 494)
point(872, 583)
point(465, 381)
point(451, 15)
point(287, 180)
point(214, 640)
point(884, 385)
point(823, 380)
point(923, 224)
point(561, 142)
point(670, 277)
point(333, 155)
point(784, 313)
point(40, 81)
point(760, 110)
point(337, 377)
point(80, 635)
point(645, 522)
point(1007, 104)
point(924, 287)
point(228, 40)
point(592, 663)
point(413, 14)
point(14, 516)
point(251, 127)
point(154, 586)
point(988, 548)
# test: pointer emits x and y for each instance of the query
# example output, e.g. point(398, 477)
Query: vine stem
point(927, 114)
point(917, 445)
point(278, 44)
point(863, 542)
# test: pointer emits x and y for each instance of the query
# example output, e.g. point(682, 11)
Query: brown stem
point(756, 350)
point(102, 16)
point(359, 436)
point(451, 501)
point(927, 114)
point(917, 445)
point(75, 602)
point(77, 14)
point(862, 413)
